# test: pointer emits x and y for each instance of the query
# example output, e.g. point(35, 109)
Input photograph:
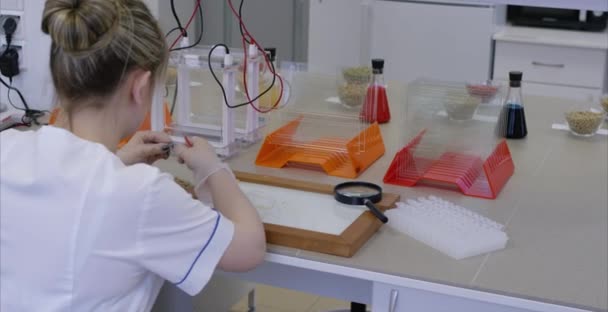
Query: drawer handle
point(393, 303)
point(535, 63)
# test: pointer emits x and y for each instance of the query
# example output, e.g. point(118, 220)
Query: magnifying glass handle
point(376, 211)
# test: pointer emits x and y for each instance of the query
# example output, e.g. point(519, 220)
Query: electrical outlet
point(18, 32)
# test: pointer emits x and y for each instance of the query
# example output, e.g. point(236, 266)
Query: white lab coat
point(80, 231)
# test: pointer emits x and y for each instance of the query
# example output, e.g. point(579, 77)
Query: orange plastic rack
point(469, 173)
point(340, 157)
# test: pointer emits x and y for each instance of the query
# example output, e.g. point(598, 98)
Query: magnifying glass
point(359, 194)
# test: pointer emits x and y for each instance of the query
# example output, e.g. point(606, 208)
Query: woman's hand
point(201, 157)
point(145, 147)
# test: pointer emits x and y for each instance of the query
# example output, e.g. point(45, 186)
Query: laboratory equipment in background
point(376, 107)
point(450, 141)
point(269, 86)
point(453, 230)
point(512, 120)
point(316, 134)
point(557, 18)
point(208, 102)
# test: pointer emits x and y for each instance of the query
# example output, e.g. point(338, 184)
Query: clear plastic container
point(584, 120)
point(604, 103)
point(314, 133)
point(201, 108)
point(464, 155)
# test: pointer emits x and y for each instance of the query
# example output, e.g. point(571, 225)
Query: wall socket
point(18, 35)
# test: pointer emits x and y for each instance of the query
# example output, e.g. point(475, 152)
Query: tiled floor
point(271, 299)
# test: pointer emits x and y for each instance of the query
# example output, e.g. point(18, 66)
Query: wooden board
point(345, 244)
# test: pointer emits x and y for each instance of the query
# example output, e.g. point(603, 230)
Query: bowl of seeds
point(585, 122)
point(461, 106)
point(357, 75)
point(352, 95)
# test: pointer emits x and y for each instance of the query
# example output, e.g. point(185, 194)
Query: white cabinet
point(432, 40)
point(555, 63)
point(392, 298)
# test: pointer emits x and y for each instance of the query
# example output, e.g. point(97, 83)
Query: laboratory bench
point(555, 208)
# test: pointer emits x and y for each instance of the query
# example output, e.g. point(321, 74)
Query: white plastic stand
point(225, 136)
point(253, 88)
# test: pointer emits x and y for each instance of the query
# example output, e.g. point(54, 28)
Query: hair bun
point(80, 25)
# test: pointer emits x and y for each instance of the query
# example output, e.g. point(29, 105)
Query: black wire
point(10, 87)
point(171, 31)
point(249, 42)
point(200, 35)
point(179, 23)
point(174, 96)
point(30, 115)
point(241, 22)
point(9, 39)
point(274, 76)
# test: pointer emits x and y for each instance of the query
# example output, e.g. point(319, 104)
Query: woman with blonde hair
point(87, 227)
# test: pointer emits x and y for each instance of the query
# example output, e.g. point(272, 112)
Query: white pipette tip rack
point(448, 228)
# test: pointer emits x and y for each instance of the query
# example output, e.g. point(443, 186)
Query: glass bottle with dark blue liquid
point(512, 122)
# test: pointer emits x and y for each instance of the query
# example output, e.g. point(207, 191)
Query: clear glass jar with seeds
point(352, 85)
point(585, 120)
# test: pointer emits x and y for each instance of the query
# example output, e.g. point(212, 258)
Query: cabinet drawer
point(551, 64)
point(560, 91)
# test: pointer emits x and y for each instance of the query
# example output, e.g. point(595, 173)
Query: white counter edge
point(592, 5)
point(398, 281)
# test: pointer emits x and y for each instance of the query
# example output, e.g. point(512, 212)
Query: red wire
point(181, 35)
point(266, 58)
point(188, 142)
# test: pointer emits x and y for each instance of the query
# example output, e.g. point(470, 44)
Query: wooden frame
point(346, 244)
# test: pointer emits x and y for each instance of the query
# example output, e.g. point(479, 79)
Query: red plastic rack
point(469, 173)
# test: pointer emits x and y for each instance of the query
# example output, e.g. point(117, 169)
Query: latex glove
point(203, 161)
point(145, 147)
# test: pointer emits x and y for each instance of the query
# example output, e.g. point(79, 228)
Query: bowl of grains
point(357, 75)
point(461, 106)
point(585, 122)
point(352, 95)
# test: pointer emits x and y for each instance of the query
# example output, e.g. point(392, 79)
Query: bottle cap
point(515, 78)
point(515, 75)
point(378, 66)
